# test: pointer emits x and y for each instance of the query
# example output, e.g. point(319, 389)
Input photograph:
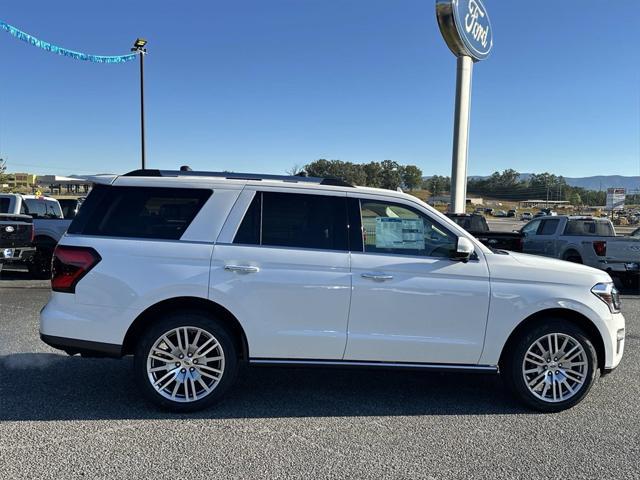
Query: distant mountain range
point(598, 182)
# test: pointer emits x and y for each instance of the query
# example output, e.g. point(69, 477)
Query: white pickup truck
point(587, 240)
point(49, 225)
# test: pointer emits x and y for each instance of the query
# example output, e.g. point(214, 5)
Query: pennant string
point(25, 37)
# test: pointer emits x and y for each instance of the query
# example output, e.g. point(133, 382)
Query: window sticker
point(402, 233)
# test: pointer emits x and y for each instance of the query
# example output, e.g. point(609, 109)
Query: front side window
point(531, 228)
point(295, 220)
point(398, 229)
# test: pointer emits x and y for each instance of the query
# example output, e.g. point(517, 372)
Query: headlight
point(608, 294)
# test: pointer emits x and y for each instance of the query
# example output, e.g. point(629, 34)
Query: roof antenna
point(185, 168)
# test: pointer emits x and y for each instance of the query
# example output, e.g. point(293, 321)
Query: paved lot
point(68, 417)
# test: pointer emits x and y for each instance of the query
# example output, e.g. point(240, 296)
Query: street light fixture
point(139, 47)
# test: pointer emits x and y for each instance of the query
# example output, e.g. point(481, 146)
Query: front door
point(410, 302)
point(531, 243)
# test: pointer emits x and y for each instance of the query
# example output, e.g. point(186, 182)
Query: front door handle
point(242, 268)
point(380, 277)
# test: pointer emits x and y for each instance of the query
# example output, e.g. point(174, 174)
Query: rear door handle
point(242, 268)
point(380, 277)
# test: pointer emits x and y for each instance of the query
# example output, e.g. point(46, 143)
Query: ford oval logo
point(9, 229)
point(474, 27)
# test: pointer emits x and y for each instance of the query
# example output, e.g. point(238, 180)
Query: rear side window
point(139, 212)
point(4, 205)
point(589, 227)
point(548, 227)
point(295, 220)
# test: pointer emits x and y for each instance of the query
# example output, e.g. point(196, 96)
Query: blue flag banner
point(25, 37)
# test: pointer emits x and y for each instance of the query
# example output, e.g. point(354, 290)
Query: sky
point(261, 86)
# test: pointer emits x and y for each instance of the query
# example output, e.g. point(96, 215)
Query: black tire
point(171, 321)
point(573, 257)
point(511, 366)
point(40, 265)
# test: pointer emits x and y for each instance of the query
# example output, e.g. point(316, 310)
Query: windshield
point(4, 205)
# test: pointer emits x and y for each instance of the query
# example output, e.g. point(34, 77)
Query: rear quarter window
point(587, 227)
point(139, 212)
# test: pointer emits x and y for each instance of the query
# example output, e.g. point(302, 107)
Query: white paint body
point(308, 304)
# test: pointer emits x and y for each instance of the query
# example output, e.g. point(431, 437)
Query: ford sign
point(9, 229)
point(465, 27)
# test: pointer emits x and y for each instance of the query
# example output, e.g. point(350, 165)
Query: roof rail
point(336, 182)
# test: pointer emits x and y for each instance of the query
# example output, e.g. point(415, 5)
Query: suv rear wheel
point(185, 362)
point(551, 366)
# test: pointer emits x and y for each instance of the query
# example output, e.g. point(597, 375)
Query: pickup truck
point(16, 235)
point(587, 240)
point(477, 226)
point(48, 226)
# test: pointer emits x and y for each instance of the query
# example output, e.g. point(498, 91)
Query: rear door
point(282, 267)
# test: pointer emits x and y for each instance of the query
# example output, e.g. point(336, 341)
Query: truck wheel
point(40, 265)
point(551, 366)
point(572, 256)
point(185, 362)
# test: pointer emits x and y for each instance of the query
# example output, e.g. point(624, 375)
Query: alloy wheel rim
point(185, 364)
point(555, 367)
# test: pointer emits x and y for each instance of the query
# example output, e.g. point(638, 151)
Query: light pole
point(138, 47)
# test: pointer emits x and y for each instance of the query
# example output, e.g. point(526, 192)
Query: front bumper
point(614, 342)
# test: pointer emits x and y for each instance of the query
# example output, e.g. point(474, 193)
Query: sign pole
point(461, 134)
point(467, 31)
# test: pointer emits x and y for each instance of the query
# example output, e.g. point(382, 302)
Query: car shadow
point(42, 386)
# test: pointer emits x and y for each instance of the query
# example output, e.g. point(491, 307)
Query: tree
point(347, 171)
point(575, 199)
point(373, 173)
point(3, 169)
point(411, 176)
point(296, 170)
point(391, 175)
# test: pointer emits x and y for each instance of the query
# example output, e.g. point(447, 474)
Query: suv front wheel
point(185, 361)
point(551, 366)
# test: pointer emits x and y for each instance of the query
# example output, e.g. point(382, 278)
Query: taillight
point(600, 247)
point(70, 264)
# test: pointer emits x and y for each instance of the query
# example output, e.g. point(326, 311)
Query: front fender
point(513, 302)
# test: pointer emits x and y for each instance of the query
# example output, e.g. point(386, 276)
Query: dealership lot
point(67, 417)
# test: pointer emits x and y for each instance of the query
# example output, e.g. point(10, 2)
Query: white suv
point(194, 272)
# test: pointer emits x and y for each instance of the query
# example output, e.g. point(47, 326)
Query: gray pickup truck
point(48, 227)
point(587, 240)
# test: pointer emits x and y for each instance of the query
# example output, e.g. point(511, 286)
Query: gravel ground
point(68, 417)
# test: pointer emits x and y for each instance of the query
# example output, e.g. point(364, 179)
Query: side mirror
point(464, 250)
